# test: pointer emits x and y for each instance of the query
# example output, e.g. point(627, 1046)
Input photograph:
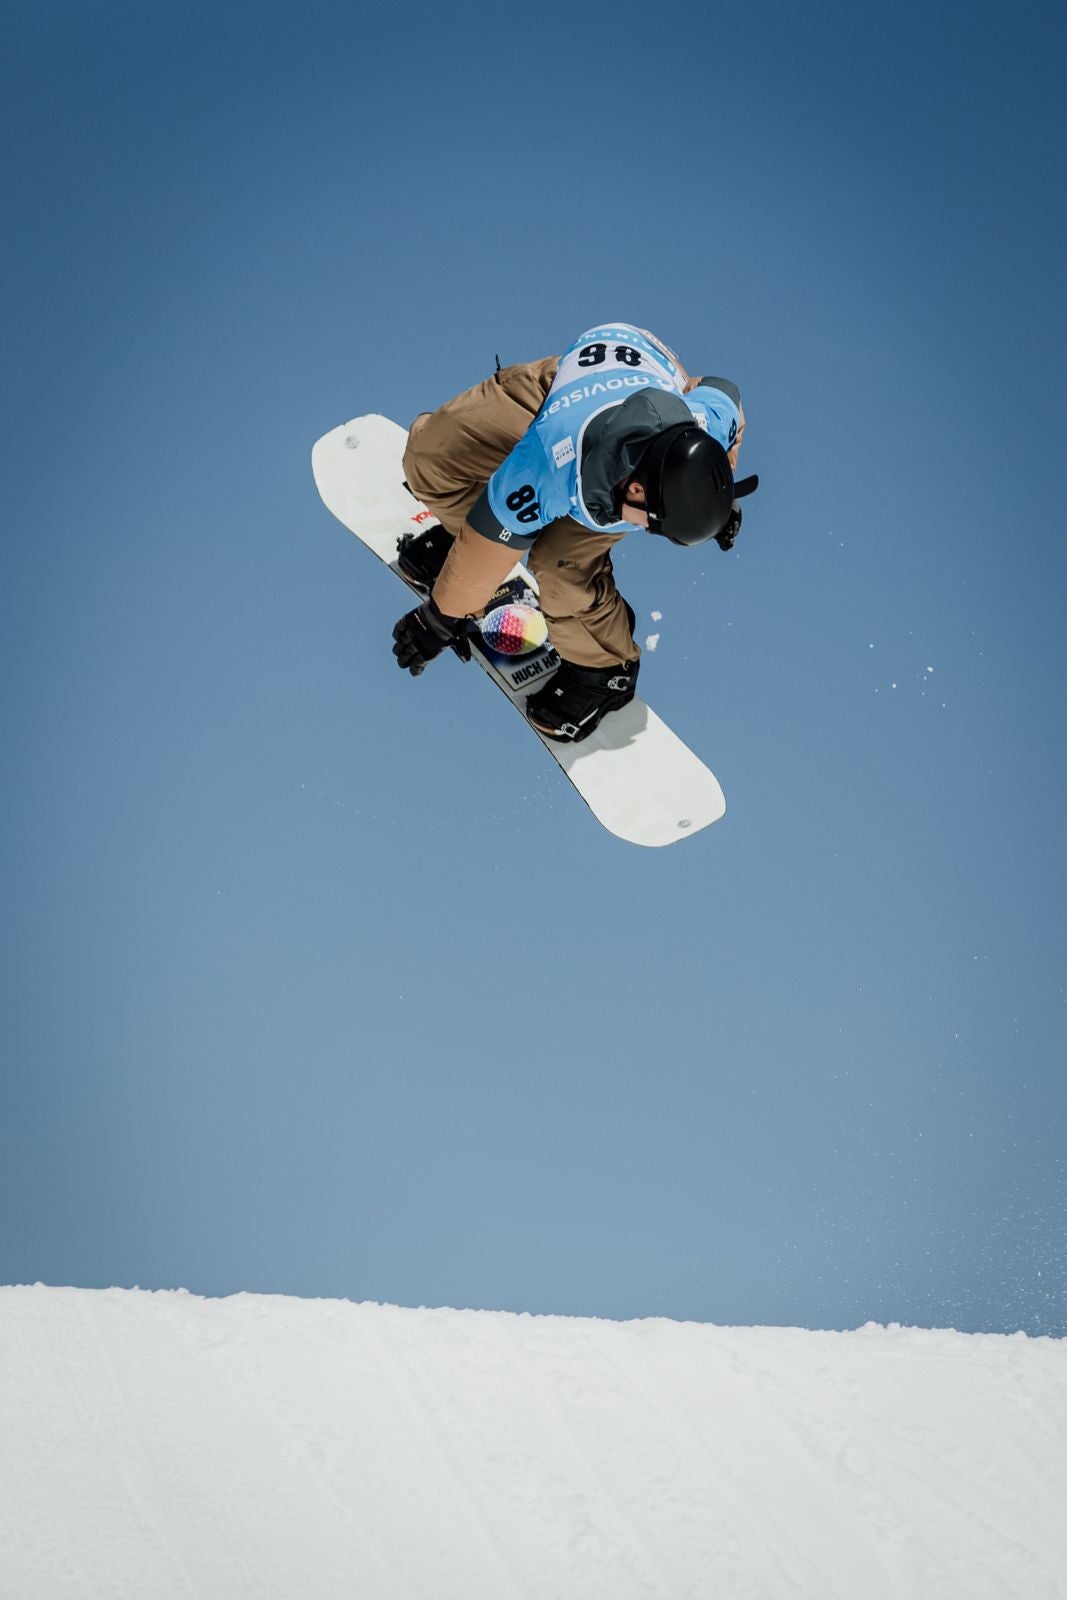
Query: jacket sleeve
point(473, 571)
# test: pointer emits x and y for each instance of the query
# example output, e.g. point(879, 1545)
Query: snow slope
point(162, 1447)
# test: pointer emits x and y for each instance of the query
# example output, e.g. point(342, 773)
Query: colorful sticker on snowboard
point(513, 635)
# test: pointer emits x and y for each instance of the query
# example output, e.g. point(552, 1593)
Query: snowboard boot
point(420, 556)
point(574, 699)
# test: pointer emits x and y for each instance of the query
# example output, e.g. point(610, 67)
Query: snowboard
point(640, 780)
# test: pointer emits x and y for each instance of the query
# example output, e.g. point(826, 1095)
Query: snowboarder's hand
point(725, 539)
point(423, 633)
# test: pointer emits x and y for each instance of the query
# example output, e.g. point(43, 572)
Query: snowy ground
point(162, 1447)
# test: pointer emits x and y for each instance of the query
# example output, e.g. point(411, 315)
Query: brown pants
point(451, 455)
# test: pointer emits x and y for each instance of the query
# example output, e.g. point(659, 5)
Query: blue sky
point(320, 980)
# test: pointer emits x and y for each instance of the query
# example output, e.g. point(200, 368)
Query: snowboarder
point(553, 462)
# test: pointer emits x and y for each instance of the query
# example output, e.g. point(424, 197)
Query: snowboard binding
point(420, 556)
point(573, 702)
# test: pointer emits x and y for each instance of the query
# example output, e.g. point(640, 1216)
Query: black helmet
point(688, 484)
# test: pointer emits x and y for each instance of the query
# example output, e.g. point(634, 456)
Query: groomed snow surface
point(166, 1447)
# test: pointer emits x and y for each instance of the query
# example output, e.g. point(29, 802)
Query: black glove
point(725, 539)
point(424, 633)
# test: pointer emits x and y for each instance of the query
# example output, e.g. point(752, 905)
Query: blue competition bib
point(541, 480)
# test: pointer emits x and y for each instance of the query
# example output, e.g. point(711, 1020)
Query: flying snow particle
point(651, 641)
point(657, 616)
